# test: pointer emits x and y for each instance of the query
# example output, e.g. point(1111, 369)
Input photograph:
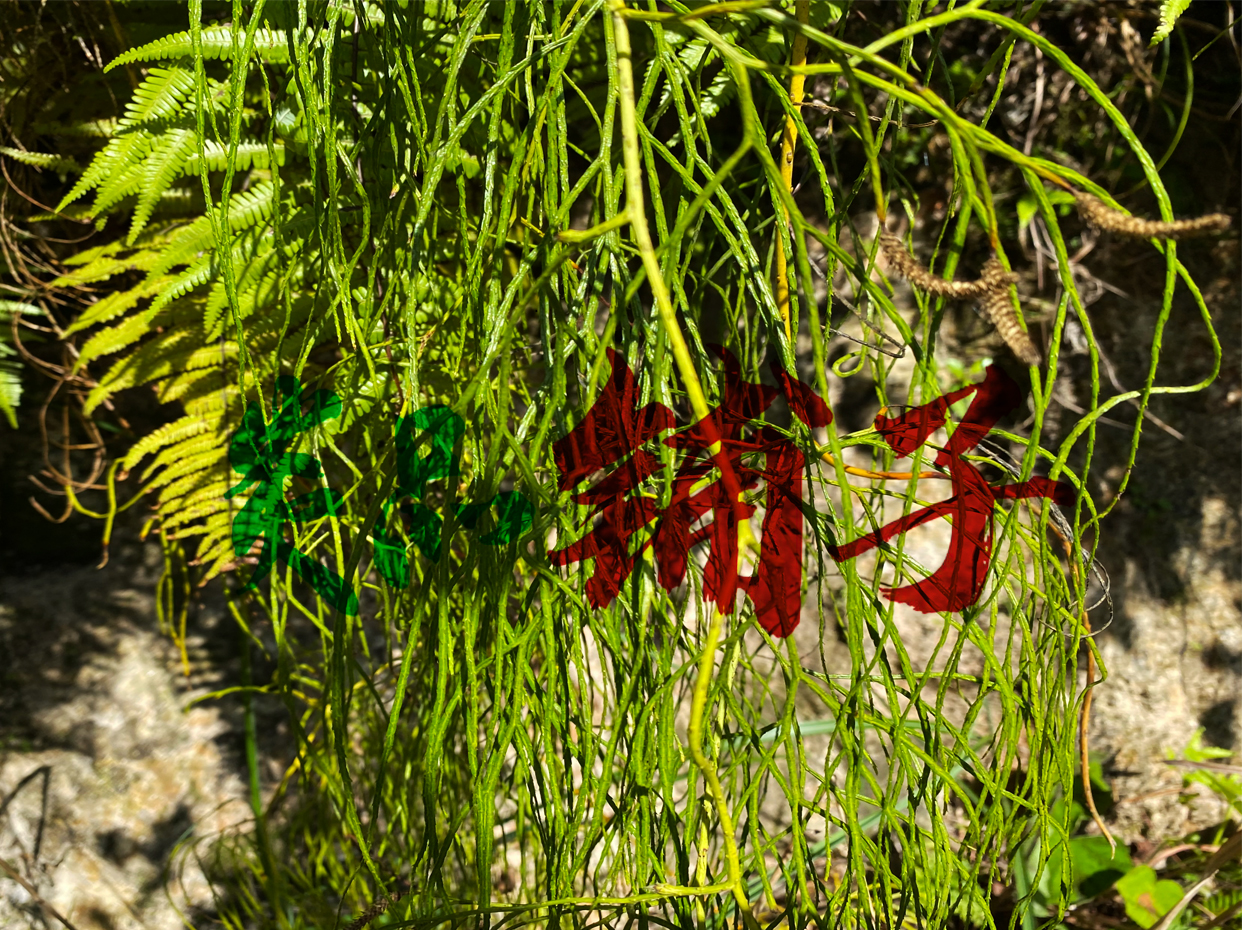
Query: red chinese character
point(959, 580)
point(612, 432)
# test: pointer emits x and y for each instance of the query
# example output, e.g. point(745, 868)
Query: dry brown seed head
point(1102, 216)
point(995, 276)
point(908, 267)
point(999, 310)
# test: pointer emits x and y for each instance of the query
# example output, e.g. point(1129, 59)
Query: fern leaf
point(152, 361)
point(251, 293)
point(218, 558)
point(1170, 12)
point(106, 266)
point(203, 502)
point(190, 465)
point(160, 169)
point(10, 308)
point(211, 470)
point(115, 304)
point(185, 428)
point(120, 151)
point(208, 355)
point(196, 275)
point(117, 337)
point(179, 386)
point(126, 180)
point(74, 212)
point(248, 155)
point(90, 129)
point(216, 517)
point(205, 268)
point(210, 494)
point(246, 209)
point(217, 43)
point(159, 96)
point(58, 163)
point(213, 405)
point(192, 445)
point(86, 256)
point(10, 389)
point(218, 522)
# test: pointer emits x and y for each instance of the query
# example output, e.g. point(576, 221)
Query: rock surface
point(106, 782)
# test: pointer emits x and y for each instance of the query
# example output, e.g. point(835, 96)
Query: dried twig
point(8, 869)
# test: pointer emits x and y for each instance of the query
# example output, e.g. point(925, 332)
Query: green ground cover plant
point(326, 219)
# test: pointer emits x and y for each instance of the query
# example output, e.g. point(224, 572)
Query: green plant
point(1165, 895)
point(10, 370)
point(467, 204)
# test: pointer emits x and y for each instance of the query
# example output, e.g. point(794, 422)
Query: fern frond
point(205, 268)
point(152, 361)
point(249, 208)
point(249, 155)
point(160, 169)
point(176, 388)
point(205, 499)
point(217, 43)
point(62, 164)
point(86, 256)
point(186, 447)
point(104, 267)
point(72, 212)
point(254, 286)
point(219, 557)
point(10, 309)
point(115, 338)
point(208, 494)
point(213, 405)
point(189, 465)
point(1170, 12)
point(185, 428)
point(159, 96)
point(115, 304)
point(208, 355)
point(211, 469)
point(10, 388)
point(178, 286)
point(155, 237)
point(120, 151)
point(125, 179)
point(218, 522)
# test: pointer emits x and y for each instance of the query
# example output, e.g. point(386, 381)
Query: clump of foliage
point(467, 204)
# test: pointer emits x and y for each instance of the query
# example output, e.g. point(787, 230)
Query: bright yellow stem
point(788, 142)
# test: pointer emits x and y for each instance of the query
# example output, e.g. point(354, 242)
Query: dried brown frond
point(1102, 216)
point(908, 267)
point(998, 308)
